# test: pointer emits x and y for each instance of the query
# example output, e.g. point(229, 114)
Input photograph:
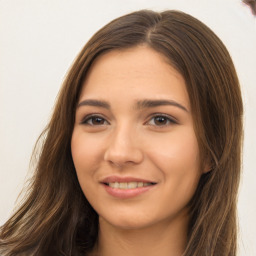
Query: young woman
point(142, 154)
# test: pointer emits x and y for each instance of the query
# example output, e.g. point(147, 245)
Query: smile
point(129, 185)
point(126, 187)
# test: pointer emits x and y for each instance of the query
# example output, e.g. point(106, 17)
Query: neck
point(165, 239)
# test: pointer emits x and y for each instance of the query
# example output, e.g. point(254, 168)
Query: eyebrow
point(147, 103)
point(94, 103)
point(155, 103)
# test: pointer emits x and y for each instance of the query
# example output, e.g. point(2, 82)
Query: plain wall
point(38, 42)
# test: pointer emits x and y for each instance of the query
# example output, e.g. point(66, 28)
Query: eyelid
point(90, 116)
point(171, 119)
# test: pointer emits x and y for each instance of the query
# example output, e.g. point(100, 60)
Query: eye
point(161, 120)
point(94, 120)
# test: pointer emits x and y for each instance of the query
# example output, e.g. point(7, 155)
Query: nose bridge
point(123, 145)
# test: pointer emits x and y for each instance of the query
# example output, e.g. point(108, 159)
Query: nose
point(123, 148)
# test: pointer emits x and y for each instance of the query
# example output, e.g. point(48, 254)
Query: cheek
point(178, 149)
point(86, 155)
point(177, 157)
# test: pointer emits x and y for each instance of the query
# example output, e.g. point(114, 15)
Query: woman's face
point(134, 146)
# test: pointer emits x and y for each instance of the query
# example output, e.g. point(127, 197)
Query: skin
point(154, 143)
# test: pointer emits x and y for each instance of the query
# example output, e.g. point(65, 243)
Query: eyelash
point(85, 121)
point(167, 118)
point(89, 119)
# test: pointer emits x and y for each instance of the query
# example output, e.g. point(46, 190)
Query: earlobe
point(207, 170)
point(207, 166)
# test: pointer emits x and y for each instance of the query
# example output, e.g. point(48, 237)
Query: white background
point(38, 42)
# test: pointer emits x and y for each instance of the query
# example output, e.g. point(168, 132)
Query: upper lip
point(112, 179)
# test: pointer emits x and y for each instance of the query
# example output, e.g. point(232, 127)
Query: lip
point(110, 179)
point(126, 193)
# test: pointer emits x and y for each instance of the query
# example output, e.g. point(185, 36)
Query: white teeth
point(128, 185)
point(140, 184)
point(123, 185)
point(132, 185)
point(116, 185)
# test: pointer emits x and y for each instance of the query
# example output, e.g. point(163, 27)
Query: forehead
point(138, 71)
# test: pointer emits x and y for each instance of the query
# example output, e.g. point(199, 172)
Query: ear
point(207, 165)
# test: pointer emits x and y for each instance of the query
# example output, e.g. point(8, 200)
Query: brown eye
point(161, 120)
point(94, 121)
point(97, 121)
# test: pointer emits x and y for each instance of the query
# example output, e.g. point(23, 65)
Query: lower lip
point(127, 193)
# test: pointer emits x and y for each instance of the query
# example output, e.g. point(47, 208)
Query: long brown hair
point(56, 219)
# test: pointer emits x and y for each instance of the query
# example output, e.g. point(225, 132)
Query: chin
point(129, 223)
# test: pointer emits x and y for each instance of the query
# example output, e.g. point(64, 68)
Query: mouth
point(129, 185)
